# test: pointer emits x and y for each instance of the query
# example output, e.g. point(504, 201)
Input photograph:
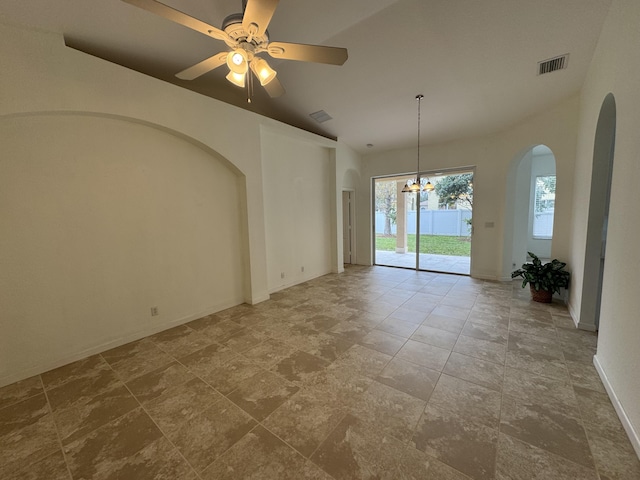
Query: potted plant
point(544, 279)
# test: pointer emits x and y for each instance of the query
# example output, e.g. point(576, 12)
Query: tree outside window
point(544, 206)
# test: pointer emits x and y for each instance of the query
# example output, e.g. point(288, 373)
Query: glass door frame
point(421, 175)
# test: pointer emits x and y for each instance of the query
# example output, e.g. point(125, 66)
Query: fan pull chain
point(249, 86)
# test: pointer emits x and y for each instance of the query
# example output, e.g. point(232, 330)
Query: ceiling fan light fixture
point(236, 78)
point(263, 71)
point(237, 61)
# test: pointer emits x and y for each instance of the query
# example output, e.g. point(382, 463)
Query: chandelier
point(415, 184)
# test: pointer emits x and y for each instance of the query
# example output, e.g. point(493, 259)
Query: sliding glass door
point(445, 223)
point(437, 221)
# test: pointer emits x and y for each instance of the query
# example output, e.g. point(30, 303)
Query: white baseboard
point(109, 344)
point(626, 423)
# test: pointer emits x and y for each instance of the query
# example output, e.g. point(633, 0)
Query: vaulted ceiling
point(475, 61)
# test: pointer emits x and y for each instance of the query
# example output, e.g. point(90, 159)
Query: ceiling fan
point(246, 35)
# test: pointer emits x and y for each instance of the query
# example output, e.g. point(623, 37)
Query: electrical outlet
point(154, 311)
point(282, 275)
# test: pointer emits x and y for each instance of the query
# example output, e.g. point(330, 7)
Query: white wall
point(615, 69)
point(297, 204)
point(121, 192)
point(493, 155)
point(103, 219)
point(522, 200)
point(348, 177)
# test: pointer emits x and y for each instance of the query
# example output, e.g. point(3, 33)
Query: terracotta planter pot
point(542, 296)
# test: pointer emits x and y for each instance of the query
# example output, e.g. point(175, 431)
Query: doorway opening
point(348, 230)
point(427, 230)
point(601, 177)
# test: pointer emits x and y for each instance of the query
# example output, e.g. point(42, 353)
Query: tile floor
point(377, 373)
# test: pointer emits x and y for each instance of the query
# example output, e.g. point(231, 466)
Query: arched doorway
point(601, 175)
point(530, 205)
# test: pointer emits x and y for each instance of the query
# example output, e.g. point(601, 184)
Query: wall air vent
point(320, 116)
point(553, 64)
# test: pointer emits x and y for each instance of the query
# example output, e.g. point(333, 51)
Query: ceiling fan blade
point(177, 16)
point(203, 67)
point(257, 16)
point(274, 88)
point(308, 53)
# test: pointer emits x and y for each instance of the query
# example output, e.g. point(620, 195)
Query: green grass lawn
point(435, 244)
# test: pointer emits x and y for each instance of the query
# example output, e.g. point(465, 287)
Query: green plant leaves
point(549, 276)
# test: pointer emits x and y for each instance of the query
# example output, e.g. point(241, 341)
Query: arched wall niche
point(535, 160)
point(111, 216)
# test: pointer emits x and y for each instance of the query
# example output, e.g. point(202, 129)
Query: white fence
point(432, 222)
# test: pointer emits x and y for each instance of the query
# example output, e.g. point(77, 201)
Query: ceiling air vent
point(320, 116)
point(553, 64)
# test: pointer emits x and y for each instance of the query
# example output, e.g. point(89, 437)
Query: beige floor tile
point(613, 453)
point(489, 333)
point(359, 360)
point(409, 378)
point(52, 467)
point(520, 461)
point(435, 337)
point(309, 365)
point(259, 454)
point(84, 416)
point(357, 450)
point(180, 404)
point(416, 465)
point(477, 371)
point(72, 371)
point(453, 312)
point(307, 418)
point(151, 385)
point(136, 358)
point(206, 436)
point(458, 299)
point(323, 345)
point(180, 341)
point(450, 324)
point(131, 446)
point(536, 388)
point(220, 331)
point(27, 434)
point(350, 329)
point(383, 342)
point(81, 389)
point(488, 316)
point(557, 429)
point(532, 327)
point(226, 377)
point(584, 375)
point(299, 367)
point(482, 349)
point(262, 393)
point(16, 392)
point(270, 352)
point(392, 411)
point(467, 400)
point(464, 445)
point(410, 315)
point(424, 355)
point(397, 327)
point(207, 359)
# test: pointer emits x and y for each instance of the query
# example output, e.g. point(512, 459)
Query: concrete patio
point(438, 263)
